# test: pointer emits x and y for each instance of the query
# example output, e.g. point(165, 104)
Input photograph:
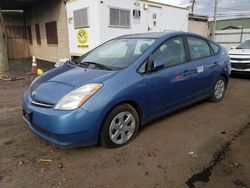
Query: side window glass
point(171, 52)
point(142, 46)
point(143, 66)
point(215, 47)
point(199, 48)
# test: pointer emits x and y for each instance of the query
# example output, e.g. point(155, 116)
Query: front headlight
point(77, 97)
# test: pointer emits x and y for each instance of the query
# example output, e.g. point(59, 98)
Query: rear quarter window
point(214, 47)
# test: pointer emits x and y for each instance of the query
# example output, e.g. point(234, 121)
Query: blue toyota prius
point(107, 94)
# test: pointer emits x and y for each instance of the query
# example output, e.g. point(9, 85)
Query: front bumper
point(240, 71)
point(240, 63)
point(62, 128)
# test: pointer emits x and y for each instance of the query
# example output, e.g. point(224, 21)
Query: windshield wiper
point(101, 66)
point(74, 61)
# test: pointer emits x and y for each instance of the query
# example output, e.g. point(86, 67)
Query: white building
point(92, 22)
point(55, 29)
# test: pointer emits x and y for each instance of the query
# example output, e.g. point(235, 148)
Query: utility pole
point(214, 23)
point(193, 2)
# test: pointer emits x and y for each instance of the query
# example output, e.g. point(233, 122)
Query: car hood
point(50, 87)
point(239, 52)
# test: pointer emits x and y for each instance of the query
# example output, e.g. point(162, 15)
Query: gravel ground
point(205, 145)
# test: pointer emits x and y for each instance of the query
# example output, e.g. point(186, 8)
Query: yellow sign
point(82, 46)
point(70, 1)
point(82, 36)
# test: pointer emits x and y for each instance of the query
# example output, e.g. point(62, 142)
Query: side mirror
point(157, 64)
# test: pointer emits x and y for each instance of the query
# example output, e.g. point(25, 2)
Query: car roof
point(157, 35)
point(146, 35)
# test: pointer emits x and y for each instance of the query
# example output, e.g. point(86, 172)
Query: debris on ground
point(45, 160)
point(235, 164)
point(20, 163)
point(191, 153)
point(8, 78)
point(60, 165)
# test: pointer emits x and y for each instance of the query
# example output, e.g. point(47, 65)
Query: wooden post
point(4, 66)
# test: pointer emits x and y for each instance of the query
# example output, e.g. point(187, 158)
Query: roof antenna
point(183, 25)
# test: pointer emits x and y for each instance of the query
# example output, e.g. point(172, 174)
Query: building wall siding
point(198, 27)
point(42, 14)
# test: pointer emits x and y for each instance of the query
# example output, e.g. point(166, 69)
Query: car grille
point(240, 59)
point(41, 104)
point(240, 65)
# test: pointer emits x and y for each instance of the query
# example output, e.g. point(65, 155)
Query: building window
point(29, 34)
point(81, 18)
point(119, 17)
point(51, 33)
point(38, 36)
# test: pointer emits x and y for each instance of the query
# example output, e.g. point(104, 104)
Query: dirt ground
point(205, 145)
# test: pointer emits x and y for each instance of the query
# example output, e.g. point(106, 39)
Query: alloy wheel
point(219, 89)
point(122, 127)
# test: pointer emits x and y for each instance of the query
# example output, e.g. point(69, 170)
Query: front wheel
point(219, 90)
point(120, 126)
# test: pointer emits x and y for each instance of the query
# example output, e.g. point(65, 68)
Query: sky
point(206, 7)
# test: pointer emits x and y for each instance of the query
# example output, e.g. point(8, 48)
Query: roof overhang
point(18, 4)
point(165, 4)
point(197, 17)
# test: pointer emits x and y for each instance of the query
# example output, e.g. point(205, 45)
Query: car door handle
point(186, 73)
point(214, 64)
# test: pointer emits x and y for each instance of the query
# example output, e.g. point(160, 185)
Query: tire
point(219, 90)
point(120, 126)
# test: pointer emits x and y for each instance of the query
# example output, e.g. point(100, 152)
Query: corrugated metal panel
point(14, 24)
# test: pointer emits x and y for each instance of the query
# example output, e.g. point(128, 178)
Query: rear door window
point(199, 48)
point(171, 52)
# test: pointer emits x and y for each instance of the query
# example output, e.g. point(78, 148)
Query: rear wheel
point(219, 90)
point(120, 126)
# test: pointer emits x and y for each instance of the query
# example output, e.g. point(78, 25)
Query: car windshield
point(244, 45)
point(117, 53)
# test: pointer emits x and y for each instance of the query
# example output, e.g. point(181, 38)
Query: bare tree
point(4, 66)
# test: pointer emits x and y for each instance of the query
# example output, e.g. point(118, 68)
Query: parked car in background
point(108, 93)
point(240, 58)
